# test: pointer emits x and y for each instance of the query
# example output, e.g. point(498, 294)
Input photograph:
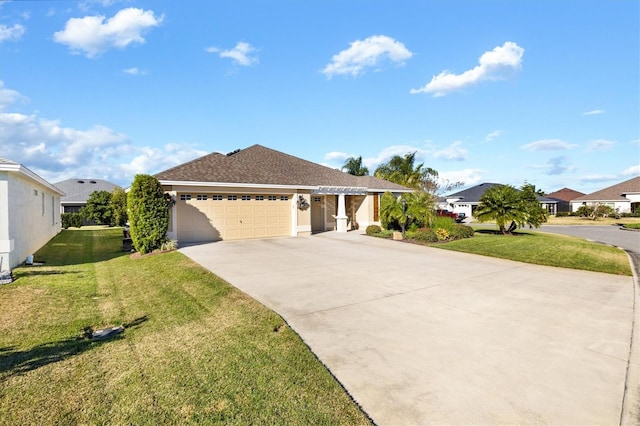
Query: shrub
point(169, 245)
point(148, 213)
point(442, 222)
point(373, 230)
point(442, 234)
point(562, 214)
point(385, 233)
point(425, 235)
point(71, 220)
point(461, 231)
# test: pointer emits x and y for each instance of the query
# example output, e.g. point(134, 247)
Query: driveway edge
point(630, 414)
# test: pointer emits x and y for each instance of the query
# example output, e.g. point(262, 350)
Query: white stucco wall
point(29, 217)
point(620, 206)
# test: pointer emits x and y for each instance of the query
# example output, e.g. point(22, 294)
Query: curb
point(630, 414)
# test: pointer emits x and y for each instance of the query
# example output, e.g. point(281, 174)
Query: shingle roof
point(565, 194)
point(260, 165)
point(79, 190)
point(473, 194)
point(614, 192)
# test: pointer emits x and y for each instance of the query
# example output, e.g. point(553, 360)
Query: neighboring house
point(77, 192)
point(623, 197)
point(467, 200)
point(563, 197)
point(29, 213)
point(258, 192)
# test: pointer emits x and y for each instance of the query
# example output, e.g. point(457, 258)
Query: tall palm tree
point(353, 166)
point(401, 170)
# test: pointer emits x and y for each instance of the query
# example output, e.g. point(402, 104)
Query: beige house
point(29, 213)
point(258, 192)
point(623, 197)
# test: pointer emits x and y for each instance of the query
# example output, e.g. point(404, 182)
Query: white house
point(623, 197)
point(29, 213)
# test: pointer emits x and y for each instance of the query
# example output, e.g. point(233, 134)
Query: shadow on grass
point(14, 361)
point(497, 232)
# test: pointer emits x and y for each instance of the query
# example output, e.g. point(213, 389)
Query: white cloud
point(600, 145)
point(385, 155)
point(9, 97)
point(92, 35)
point(134, 71)
point(468, 177)
point(367, 53)
point(491, 136)
point(632, 171)
point(548, 145)
point(453, 152)
point(336, 155)
point(12, 33)
point(241, 54)
point(492, 66)
point(594, 112)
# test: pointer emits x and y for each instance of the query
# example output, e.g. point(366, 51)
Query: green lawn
point(195, 351)
point(545, 249)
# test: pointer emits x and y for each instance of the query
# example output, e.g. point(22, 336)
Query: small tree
point(118, 207)
point(535, 214)
point(148, 213)
point(354, 166)
point(503, 204)
point(400, 212)
point(98, 207)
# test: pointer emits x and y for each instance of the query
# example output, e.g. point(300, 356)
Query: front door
point(317, 213)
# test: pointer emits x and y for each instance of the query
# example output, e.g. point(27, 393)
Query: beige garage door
point(212, 217)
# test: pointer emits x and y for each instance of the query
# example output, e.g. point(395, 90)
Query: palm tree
point(401, 170)
point(503, 204)
point(354, 166)
point(400, 211)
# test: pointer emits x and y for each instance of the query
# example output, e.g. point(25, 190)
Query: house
point(563, 197)
point(623, 197)
point(467, 200)
point(29, 213)
point(77, 192)
point(258, 192)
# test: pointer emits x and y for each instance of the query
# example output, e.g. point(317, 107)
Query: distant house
point(29, 213)
point(623, 197)
point(467, 200)
point(563, 197)
point(258, 192)
point(77, 192)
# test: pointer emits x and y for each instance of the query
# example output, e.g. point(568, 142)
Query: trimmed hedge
point(373, 230)
point(425, 235)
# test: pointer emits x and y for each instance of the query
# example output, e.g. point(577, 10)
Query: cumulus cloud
point(11, 33)
point(365, 54)
point(336, 155)
point(93, 35)
point(468, 177)
point(600, 145)
point(548, 145)
point(134, 71)
point(241, 54)
point(493, 65)
point(385, 155)
point(57, 152)
point(594, 112)
point(453, 152)
point(9, 97)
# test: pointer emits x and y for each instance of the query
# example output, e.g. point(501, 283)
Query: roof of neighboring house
point(7, 165)
point(264, 166)
point(614, 192)
point(473, 194)
point(565, 194)
point(79, 190)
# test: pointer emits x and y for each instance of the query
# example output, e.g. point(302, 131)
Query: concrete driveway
point(420, 335)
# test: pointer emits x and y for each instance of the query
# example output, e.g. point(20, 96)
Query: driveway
point(420, 335)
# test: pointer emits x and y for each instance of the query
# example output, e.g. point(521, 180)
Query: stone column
point(341, 218)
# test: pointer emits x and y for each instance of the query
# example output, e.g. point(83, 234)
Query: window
point(185, 197)
point(284, 198)
point(35, 192)
point(259, 197)
point(272, 197)
point(246, 197)
point(201, 197)
point(232, 197)
point(216, 197)
point(317, 199)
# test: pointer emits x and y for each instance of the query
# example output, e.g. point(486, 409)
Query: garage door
point(212, 217)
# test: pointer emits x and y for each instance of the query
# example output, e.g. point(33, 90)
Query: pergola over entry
point(341, 191)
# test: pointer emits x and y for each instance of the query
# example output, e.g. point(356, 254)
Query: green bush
point(461, 231)
point(69, 220)
point(443, 222)
point(425, 235)
point(562, 214)
point(148, 213)
point(373, 230)
point(385, 233)
point(442, 234)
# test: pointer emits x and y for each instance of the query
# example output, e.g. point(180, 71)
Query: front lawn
point(545, 249)
point(195, 350)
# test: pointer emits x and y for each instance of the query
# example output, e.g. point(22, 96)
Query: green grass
point(545, 249)
point(196, 350)
point(632, 225)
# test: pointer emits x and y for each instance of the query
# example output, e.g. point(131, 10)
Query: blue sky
point(546, 92)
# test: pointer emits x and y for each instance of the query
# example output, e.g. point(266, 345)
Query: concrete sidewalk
point(420, 335)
